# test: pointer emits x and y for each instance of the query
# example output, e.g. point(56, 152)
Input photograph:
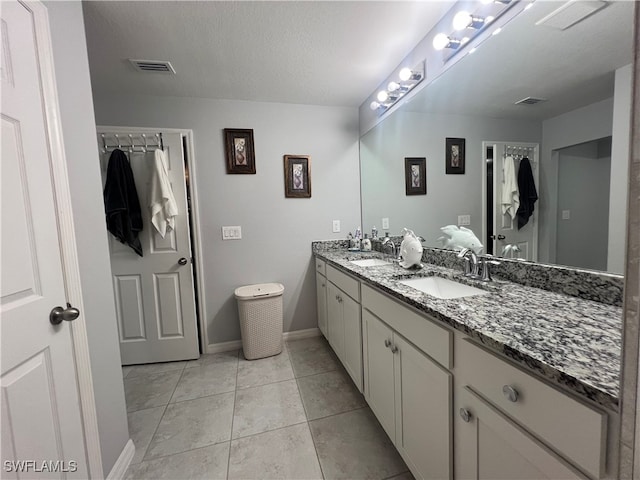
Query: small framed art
point(241, 157)
point(297, 176)
point(415, 174)
point(454, 157)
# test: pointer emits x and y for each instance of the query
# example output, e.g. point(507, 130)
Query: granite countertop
point(569, 341)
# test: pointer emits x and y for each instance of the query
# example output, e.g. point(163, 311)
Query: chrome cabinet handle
point(183, 261)
point(394, 349)
point(465, 414)
point(58, 314)
point(510, 393)
point(387, 343)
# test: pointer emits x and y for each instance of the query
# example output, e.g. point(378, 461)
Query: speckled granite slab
point(570, 341)
point(600, 287)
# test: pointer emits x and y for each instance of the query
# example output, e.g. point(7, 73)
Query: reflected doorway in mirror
point(454, 157)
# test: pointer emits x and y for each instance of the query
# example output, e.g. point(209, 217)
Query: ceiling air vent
point(570, 13)
point(530, 101)
point(157, 66)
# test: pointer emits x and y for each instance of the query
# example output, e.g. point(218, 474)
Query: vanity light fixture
point(442, 41)
point(409, 78)
point(464, 20)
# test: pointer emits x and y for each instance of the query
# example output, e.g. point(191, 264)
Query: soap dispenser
point(366, 243)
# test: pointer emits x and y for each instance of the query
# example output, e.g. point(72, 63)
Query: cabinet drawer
point(432, 339)
point(321, 266)
point(570, 426)
point(347, 284)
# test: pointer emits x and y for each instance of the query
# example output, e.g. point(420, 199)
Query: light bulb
point(489, 19)
point(393, 86)
point(440, 41)
point(374, 105)
point(405, 74)
point(462, 20)
point(383, 96)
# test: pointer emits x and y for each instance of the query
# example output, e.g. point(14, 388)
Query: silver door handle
point(387, 343)
point(58, 314)
point(465, 414)
point(183, 261)
point(394, 349)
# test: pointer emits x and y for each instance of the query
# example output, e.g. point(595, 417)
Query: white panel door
point(505, 228)
point(154, 294)
point(41, 423)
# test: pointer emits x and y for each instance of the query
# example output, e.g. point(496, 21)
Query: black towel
point(527, 191)
point(122, 207)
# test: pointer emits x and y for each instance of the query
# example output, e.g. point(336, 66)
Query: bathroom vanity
point(516, 382)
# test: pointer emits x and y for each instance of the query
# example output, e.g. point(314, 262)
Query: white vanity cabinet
point(321, 295)
point(410, 392)
point(511, 425)
point(490, 446)
point(344, 321)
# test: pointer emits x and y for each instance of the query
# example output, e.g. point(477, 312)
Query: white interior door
point(505, 228)
point(41, 423)
point(154, 294)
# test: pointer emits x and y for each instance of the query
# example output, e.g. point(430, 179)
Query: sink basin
point(370, 262)
point(442, 288)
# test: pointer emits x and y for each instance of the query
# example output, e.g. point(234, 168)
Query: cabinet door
point(321, 293)
point(423, 413)
point(352, 339)
point(379, 371)
point(334, 320)
point(490, 446)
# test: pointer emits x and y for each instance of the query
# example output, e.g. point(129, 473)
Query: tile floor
point(293, 416)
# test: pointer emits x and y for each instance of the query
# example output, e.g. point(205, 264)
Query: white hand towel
point(162, 203)
point(510, 199)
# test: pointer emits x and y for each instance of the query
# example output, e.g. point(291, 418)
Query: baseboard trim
point(124, 460)
point(224, 346)
point(300, 334)
point(236, 344)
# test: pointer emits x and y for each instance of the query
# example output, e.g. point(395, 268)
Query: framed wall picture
point(415, 175)
point(454, 157)
point(297, 176)
point(241, 157)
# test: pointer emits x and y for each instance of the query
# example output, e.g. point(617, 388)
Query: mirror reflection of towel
point(510, 200)
point(528, 193)
point(162, 203)
point(122, 207)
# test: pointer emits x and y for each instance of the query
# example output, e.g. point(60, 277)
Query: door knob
point(510, 393)
point(387, 343)
point(183, 261)
point(501, 237)
point(58, 314)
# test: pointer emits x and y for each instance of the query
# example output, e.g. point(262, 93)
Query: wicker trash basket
point(260, 310)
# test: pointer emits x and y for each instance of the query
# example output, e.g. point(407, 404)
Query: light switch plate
point(566, 214)
point(385, 224)
point(232, 233)
point(464, 219)
point(336, 226)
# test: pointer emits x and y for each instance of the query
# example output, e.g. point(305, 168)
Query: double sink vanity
point(476, 379)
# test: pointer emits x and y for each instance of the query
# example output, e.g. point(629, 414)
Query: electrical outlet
point(385, 224)
point(232, 233)
point(464, 219)
point(336, 226)
point(566, 214)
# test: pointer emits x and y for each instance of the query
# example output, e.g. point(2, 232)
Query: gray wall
point(619, 169)
point(582, 125)
point(410, 134)
point(74, 91)
point(276, 231)
point(583, 190)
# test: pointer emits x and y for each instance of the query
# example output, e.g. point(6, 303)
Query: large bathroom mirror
point(578, 133)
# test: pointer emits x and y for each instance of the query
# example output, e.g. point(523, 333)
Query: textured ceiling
point(306, 52)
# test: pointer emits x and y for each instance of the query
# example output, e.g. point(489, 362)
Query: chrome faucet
point(394, 249)
point(470, 262)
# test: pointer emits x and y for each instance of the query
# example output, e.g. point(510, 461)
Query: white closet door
point(41, 420)
point(154, 294)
